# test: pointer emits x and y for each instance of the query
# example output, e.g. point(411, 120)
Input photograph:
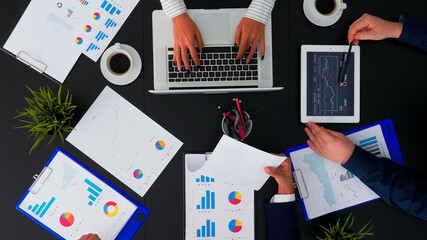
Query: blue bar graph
point(93, 189)
point(205, 179)
point(206, 231)
point(208, 201)
point(43, 208)
point(371, 145)
point(110, 23)
point(110, 8)
point(100, 36)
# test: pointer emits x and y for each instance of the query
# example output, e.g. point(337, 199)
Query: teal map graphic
point(317, 166)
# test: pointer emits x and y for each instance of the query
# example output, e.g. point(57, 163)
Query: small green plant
point(47, 114)
point(344, 232)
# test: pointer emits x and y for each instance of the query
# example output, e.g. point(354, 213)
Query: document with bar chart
point(70, 201)
point(330, 187)
point(215, 209)
point(89, 25)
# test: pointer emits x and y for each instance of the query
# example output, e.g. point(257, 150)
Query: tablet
point(323, 98)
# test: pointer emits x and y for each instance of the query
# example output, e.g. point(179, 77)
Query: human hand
point(283, 176)
point(369, 27)
point(329, 144)
point(248, 34)
point(185, 31)
point(90, 236)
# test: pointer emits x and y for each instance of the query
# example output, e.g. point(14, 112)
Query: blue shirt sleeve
point(414, 32)
point(282, 221)
point(395, 184)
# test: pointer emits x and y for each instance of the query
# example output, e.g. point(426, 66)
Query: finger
point(242, 48)
point(194, 56)
point(279, 154)
point(352, 29)
point(177, 55)
point(270, 171)
point(262, 47)
point(312, 137)
point(317, 131)
point(313, 147)
point(333, 133)
point(184, 55)
point(94, 237)
point(365, 35)
point(199, 40)
point(238, 35)
point(355, 28)
point(252, 52)
point(84, 237)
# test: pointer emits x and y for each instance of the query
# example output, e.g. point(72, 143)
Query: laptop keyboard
point(217, 64)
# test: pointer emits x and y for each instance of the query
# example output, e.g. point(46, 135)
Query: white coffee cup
point(117, 55)
point(323, 19)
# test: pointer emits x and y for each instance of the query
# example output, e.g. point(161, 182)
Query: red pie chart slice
point(66, 219)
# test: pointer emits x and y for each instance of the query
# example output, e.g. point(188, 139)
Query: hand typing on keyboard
point(248, 34)
point(185, 31)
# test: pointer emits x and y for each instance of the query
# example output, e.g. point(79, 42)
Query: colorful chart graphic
point(79, 41)
point(208, 230)
point(138, 174)
point(59, 4)
point(84, 2)
point(88, 28)
point(100, 36)
point(42, 209)
point(208, 201)
point(66, 219)
point(110, 8)
point(94, 191)
point(110, 23)
point(160, 145)
point(205, 179)
point(91, 47)
point(235, 226)
point(348, 175)
point(112, 204)
point(96, 16)
point(235, 197)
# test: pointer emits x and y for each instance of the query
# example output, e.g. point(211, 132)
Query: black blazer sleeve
point(414, 32)
point(397, 185)
point(282, 221)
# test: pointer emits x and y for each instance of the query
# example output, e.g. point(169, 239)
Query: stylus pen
point(345, 64)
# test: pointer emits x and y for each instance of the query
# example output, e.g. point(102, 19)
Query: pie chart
point(79, 40)
point(66, 219)
point(96, 16)
point(235, 226)
point(234, 197)
point(107, 209)
point(160, 145)
point(138, 174)
point(88, 28)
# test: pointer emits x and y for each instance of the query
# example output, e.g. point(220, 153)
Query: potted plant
point(341, 232)
point(47, 114)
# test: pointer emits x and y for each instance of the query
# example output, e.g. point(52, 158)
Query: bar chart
point(110, 23)
point(108, 7)
point(348, 175)
point(203, 179)
point(94, 191)
point(100, 36)
point(84, 2)
point(206, 231)
point(371, 145)
point(91, 47)
point(208, 201)
point(40, 210)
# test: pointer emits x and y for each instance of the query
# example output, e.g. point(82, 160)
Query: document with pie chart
point(124, 141)
point(70, 201)
point(216, 209)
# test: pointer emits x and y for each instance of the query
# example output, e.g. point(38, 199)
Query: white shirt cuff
point(173, 8)
point(282, 198)
point(260, 10)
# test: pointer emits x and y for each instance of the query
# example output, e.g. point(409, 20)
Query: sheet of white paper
point(235, 162)
point(89, 25)
point(330, 186)
point(64, 203)
point(215, 209)
point(124, 141)
point(33, 36)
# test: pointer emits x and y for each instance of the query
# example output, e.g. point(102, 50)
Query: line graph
point(329, 83)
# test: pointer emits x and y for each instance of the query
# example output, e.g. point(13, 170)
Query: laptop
point(219, 71)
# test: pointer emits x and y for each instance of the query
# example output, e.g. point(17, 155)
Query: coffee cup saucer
point(128, 77)
point(318, 19)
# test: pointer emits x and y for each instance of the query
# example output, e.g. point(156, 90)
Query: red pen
point(240, 111)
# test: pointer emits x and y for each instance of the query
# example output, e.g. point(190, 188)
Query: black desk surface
point(393, 85)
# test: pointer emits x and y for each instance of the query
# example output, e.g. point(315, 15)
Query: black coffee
point(119, 63)
point(326, 7)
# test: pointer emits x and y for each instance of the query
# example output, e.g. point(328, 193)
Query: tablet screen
point(325, 95)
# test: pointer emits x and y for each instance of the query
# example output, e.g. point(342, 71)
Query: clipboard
point(95, 193)
point(33, 43)
point(391, 141)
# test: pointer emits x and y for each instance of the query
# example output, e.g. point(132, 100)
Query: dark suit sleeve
point(397, 185)
point(414, 32)
point(282, 221)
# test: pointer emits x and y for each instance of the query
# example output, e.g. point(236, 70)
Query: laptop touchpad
point(213, 26)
